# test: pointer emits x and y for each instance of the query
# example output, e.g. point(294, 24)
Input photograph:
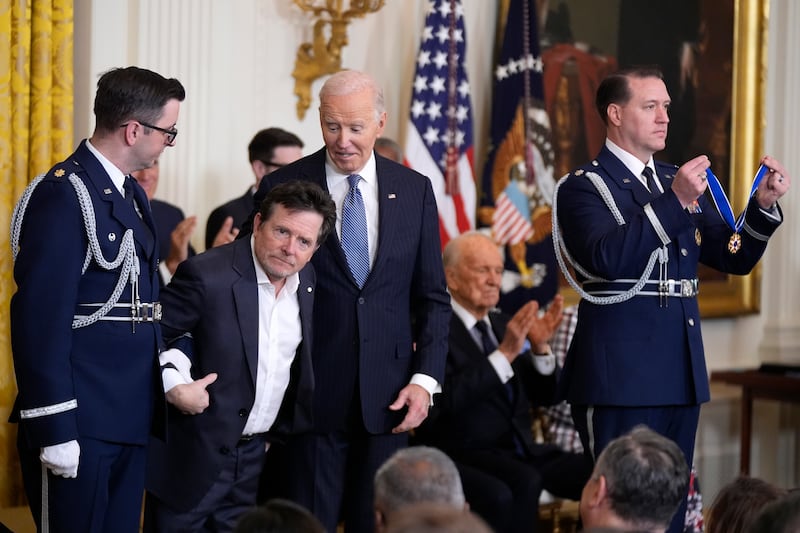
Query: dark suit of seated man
point(482, 417)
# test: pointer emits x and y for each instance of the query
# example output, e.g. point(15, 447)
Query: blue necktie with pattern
point(354, 232)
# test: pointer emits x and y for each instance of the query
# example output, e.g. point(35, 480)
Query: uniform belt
point(124, 312)
point(678, 288)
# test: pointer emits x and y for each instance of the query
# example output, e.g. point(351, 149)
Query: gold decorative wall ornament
point(324, 54)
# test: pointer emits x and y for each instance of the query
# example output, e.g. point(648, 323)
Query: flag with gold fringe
point(517, 184)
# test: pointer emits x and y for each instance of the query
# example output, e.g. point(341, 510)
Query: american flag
point(511, 221)
point(439, 138)
point(518, 179)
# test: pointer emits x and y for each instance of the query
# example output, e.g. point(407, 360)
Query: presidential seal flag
point(439, 136)
point(517, 186)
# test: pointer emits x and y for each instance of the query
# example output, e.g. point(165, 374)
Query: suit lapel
point(388, 204)
point(245, 296)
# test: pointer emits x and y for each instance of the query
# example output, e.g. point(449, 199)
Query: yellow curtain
point(35, 133)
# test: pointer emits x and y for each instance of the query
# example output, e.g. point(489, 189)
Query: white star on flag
point(439, 139)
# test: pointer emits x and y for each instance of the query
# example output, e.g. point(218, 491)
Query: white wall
point(235, 58)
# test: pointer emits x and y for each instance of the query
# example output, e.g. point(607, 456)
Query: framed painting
point(713, 55)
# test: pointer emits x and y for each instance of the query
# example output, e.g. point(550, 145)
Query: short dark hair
point(133, 93)
point(279, 516)
point(615, 89)
point(262, 146)
point(738, 503)
point(780, 516)
point(647, 477)
point(301, 196)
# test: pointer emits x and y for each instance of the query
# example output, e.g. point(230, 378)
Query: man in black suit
point(173, 228)
point(237, 321)
point(269, 150)
point(375, 373)
point(496, 368)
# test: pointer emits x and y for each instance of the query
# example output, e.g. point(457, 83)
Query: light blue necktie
point(354, 232)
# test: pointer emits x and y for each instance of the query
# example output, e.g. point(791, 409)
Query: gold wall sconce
point(324, 54)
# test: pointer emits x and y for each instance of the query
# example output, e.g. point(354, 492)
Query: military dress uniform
point(642, 360)
point(79, 379)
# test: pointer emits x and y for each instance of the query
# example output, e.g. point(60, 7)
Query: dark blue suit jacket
point(640, 353)
point(110, 368)
point(365, 347)
point(475, 410)
point(166, 217)
point(214, 296)
point(238, 208)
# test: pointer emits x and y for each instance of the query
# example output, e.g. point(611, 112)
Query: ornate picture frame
point(730, 85)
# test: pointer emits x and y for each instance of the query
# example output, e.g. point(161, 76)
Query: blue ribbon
point(721, 200)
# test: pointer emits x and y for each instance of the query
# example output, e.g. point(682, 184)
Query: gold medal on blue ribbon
point(734, 243)
point(724, 206)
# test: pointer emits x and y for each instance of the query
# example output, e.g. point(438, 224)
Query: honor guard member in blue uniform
point(635, 231)
point(84, 319)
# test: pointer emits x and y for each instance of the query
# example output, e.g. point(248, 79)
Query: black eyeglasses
point(170, 133)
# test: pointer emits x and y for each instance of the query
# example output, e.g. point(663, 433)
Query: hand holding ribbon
point(775, 183)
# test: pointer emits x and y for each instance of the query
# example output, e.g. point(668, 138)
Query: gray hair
point(347, 82)
point(417, 474)
point(646, 476)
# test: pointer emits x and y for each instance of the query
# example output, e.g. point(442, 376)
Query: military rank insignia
point(735, 243)
point(697, 237)
point(59, 173)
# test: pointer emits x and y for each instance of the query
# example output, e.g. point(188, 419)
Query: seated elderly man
point(638, 483)
point(414, 475)
point(497, 367)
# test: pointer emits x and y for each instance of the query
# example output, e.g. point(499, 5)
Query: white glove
point(62, 459)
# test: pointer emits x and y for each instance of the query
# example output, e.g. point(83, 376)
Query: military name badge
point(697, 237)
point(735, 243)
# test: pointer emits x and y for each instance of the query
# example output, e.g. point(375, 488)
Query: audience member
point(413, 475)
point(278, 516)
point(230, 398)
point(270, 149)
point(375, 373)
point(638, 483)
point(389, 149)
point(780, 516)
point(84, 324)
point(173, 229)
point(497, 367)
point(436, 518)
point(738, 503)
point(635, 230)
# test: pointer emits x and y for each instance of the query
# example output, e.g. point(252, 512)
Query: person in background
point(278, 516)
point(269, 150)
point(84, 319)
point(227, 399)
point(780, 516)
point(638, 483)
point(629, 223)
point(738, 503)
point(375, 373)
point(173, 229)
point(436, 518)
point(414, 475)
point(389, 149)
point(497, 368)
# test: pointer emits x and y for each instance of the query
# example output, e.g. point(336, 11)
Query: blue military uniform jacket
point(645, 351)
point(96, 381)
